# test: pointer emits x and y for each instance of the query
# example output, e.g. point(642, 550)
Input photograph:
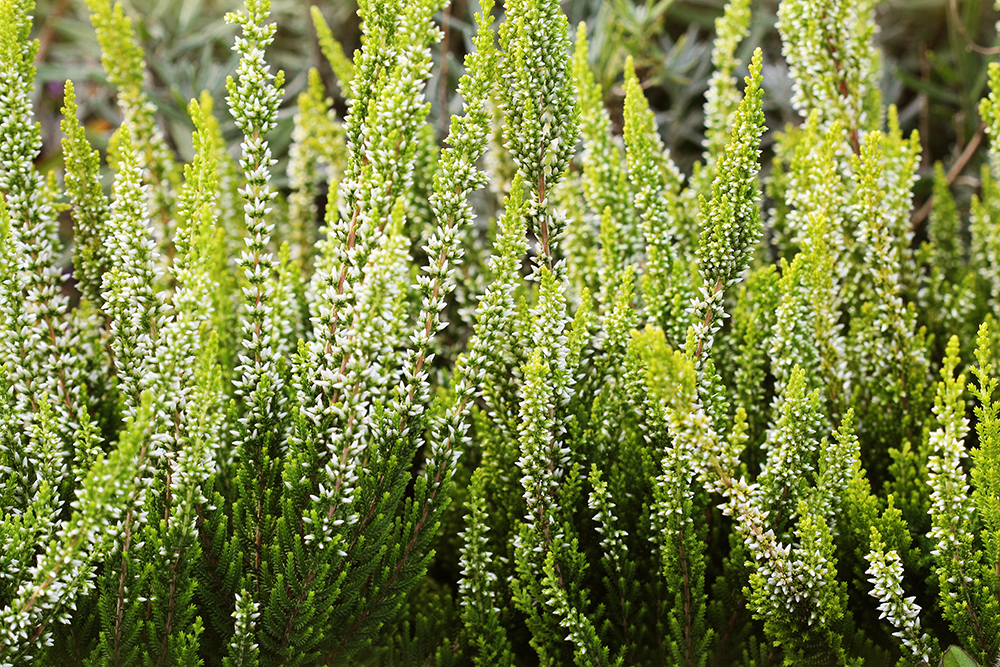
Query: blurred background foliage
point(934, 70)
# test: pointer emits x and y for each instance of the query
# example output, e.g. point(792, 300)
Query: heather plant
point(633, 418)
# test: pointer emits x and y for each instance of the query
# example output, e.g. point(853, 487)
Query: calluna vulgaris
point(654, 425)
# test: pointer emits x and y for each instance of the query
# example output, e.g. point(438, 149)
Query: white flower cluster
point(91, 209)
point(550, 336)
point(657, 183)
point(537, 99)
point(886, 570)
point(834, 66)
point(985, 247)
point(807, 330)
point(612, 536)
point(795, 579)
point(543, 459)
point(34, 336)
point(791, 449)
point(900, 171)
point(582, 634)
point(189, 380)
point(386, 112)
point(819, 186)
point(458, 178)
point(132, 301)
point(673, 524)
point(771, 559)
point(182, 335)
point(243, 651)
point(793, 341)
point(951, 509)
point(871, 211)
point(491, 344)
point(478, 585)
point(65, 571)
point(358, 314)
point(468, 138)
point(731, 219)
point(253, 102)
point(787, 580)
point(985, 243)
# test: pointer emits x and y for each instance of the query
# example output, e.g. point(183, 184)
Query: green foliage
point(620, 436)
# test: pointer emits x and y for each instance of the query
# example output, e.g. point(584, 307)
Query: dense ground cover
point(528, 360)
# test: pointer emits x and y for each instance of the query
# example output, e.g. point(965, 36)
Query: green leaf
point(956, 657)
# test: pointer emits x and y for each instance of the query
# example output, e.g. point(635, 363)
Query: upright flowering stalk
point(549, 564)
point(843, 168)
point(985, 217)
point(722, 97)
point(34, 329)
point(21, 143)
point(407, 420)
point(124, 62)
point(493, 348)
point(185, 336)
point(605, 184)
point(315, 156)
point(543, 462)
point(788, 526)
point(675, 411)
point(540, 128)
point(792, 451)
point(807, 332)
point(656, 183)
point(479, 586)
point(986, 471)
point(193, 400)
point(457, 179)
point(243, 650)
point(130, 289)
point(32, 467)
point(253, 101)
point(135, 308)
point(886, 570)
point(254, 95)
point(753, 321)
point(90, 205)
point(614, 550)
point(834, 66)
point(346, 368)
point(951, 302)
point(882, 257)
point(730, 220)
point(969, 608)
point(91, 213)
point(9, 307)
point(540, 117)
